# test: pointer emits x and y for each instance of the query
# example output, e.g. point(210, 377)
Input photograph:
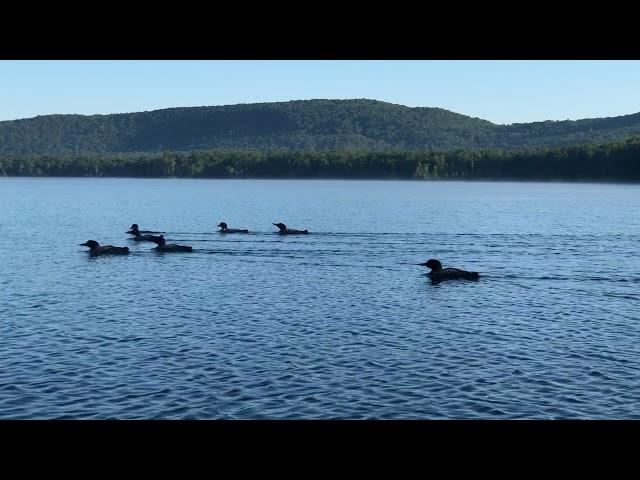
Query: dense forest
point(304, 126)
point(617, 161)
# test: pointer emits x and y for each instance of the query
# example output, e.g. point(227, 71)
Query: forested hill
point(305, 125)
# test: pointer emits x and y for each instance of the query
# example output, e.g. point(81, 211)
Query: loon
point(437, 273)
point(96, 249)
point(143, 238)
point(163, 247)
point(224, 229)
point(135, 231)
point(288, 231)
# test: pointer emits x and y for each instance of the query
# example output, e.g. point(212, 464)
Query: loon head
point(134, 228)
point(222, 225)
point(281, 226)
point(159, 240)
point(92, 244)
point(433, 264)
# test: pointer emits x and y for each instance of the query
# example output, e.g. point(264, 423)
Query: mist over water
point(339, 323)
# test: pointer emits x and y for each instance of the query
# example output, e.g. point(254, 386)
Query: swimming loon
point(224, 229)
point(437, 273)
point(143, 238)
point(288, 231)
point(164, 247)
point(96, 249)
point(135, 231)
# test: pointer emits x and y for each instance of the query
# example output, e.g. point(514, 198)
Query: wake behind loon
point(289, 231)
point(225, 229)
point(172, 247)
point(136, 231)
point(438, 274)
point(96, 249)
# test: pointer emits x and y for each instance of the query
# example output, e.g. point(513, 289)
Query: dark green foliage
point(619, 161)
point(297, 126)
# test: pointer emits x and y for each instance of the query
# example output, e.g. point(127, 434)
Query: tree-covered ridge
point(309, 125)
point(619, 161)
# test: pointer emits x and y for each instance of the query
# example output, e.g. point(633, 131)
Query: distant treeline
point(610, 162)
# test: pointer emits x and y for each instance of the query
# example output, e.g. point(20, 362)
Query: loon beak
point(422, 264)
point(83, 244)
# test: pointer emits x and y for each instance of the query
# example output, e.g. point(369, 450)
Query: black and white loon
point(224, 229)
point(136, 231)
point(437, 273)
point(288, 231)
point(172, 247)
point(96, 249)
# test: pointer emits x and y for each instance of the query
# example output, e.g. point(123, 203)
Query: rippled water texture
point(336, 324)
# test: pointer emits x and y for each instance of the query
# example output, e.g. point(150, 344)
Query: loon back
point(289, 231)
point(144, 238)
point(111, 250)
point(225, 229)
point(453, 274)
point(96, 249)
point(164, 247)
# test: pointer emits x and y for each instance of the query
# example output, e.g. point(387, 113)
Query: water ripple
point(335, 324)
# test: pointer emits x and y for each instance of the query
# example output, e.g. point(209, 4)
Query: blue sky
point(499, 91)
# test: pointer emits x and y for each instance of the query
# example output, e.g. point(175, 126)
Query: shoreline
point(323, 179)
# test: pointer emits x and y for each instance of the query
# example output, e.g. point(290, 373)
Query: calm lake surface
point(337, 324)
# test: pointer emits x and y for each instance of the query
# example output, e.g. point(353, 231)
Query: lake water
point(337, 324)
